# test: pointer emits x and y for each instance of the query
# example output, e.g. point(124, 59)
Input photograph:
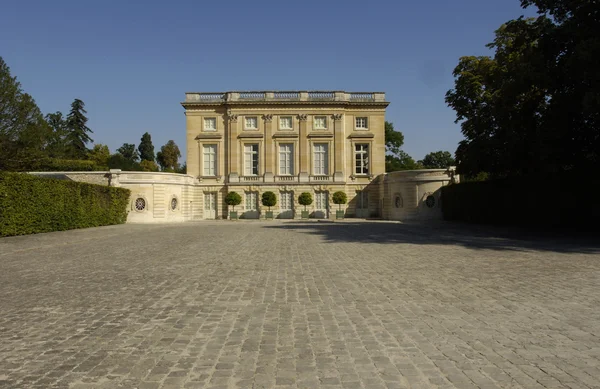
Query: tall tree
point(393, 139)
point(77, 130)
point(129, 152)
point(100, 154)
point(146, 148)
point(535, 106)
point(57, 141)
point(168, 157)
point(401, 161)
point(438, 160)
point(23, 131)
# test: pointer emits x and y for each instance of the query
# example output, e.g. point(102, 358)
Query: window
point(362, 123)
point(361, 152)
point(210, 124)
point(321, 122)
point(285, 123)
point(251, 201)
point(210, 160)
point(251, 123)
point(286, 201)
point(321, 159)
point(251, 160)
point(362, 199)
point(286, 159)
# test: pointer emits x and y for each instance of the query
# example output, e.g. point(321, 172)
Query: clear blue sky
point(132, 61)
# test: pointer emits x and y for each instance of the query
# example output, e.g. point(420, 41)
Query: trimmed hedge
point(558, 201)
point(30, 204)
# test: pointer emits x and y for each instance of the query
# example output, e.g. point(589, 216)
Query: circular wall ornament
point(430, 201)
point(140, 204)
point(398, 202)
point(174, 204)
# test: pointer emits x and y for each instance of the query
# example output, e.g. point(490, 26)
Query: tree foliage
point(401, 161)
point(129, 152)
point(77, 130)
point(393, 139)
point(100, 154)
point(340, 198)
point(534, 106)
point(148, 166)
point(146, 148)
point(305, 199)
point(24, 133)
point(438, 160)
point(232, 199)
point(269, 199)
point(168, 157)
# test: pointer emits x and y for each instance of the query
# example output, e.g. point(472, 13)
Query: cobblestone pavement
point(298, 305)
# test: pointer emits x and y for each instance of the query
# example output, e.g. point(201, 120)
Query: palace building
point(288, 143)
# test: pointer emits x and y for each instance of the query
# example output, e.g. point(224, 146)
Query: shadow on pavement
point(447, 233)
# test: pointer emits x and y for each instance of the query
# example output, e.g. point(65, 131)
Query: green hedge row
point(30, 204)
point(558, 201)
point(65, 165)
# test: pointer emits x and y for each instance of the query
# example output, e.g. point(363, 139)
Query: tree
point(401, 161)
point(340, 198)
point(534, 107)
point(168, 157)
point(393, 139)
point(57, 140)
point(100, 154)
point(437, 160)
point(232, 199)
point(146, 148)
point(118, 161)
point(305, 199)
point(148, 166)
point(24, 133)
point(77, 130)
point(269, 199)
point(182, 169)
point(129, 152)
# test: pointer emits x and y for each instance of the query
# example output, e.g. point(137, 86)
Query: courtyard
point(249, 304)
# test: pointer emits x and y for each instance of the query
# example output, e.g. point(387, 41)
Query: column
point(303, 148)
point(268, 149)
point(339, 149)
point(232, 120)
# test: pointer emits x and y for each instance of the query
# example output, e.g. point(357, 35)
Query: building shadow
point(447, 233)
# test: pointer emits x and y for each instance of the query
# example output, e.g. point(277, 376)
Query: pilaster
point(339, 149)
point(268, 149)
point(232, 122)
point(303, 147)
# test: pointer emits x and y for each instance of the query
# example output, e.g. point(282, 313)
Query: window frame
point(290, 153)
point(205, 120)
point(215, 147)
point(257, 154)
point(246, 123)
point(363, 153)
point(291, 127)
point(366, 120)
point(325, 158)
point(324, 120)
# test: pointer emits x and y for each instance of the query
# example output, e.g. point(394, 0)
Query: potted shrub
point(305, 199)
point(269, 199)
point(233, 199)
point(339, 198)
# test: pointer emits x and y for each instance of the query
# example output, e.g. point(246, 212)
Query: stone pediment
point(209, 136)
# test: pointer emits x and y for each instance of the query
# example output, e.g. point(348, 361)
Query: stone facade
point(287, 143)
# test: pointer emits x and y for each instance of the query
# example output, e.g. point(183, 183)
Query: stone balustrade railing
point(218, 97)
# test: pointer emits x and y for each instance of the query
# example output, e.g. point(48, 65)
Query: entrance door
point(210, 205)
point(251, 205)
point(321, 205)
point(286, 204)
point(362, 204)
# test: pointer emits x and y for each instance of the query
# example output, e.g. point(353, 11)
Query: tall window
point(251, 160)
point(362, 123)
point(321, 158)
point(286, 159)
point(320, 122)
point(210, 160)
point(361, 153)
point(210, 124)
point(285, 123)
point(251, 123)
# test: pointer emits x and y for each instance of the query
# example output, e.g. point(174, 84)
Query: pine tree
point(77, 130)
point(146, 148)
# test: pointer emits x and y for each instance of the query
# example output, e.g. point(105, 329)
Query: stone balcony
point(283, 96)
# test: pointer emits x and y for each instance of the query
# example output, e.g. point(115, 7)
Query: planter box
point(339, 214)
point(304, 214)
point(233, 215)
point(268, 214)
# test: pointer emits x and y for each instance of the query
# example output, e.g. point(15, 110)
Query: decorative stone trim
point(361, 135)
point(174, 204)
point(337, 116)
point(231, 116)
point(302, 117)
point(268, 118)
point(140, 203)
